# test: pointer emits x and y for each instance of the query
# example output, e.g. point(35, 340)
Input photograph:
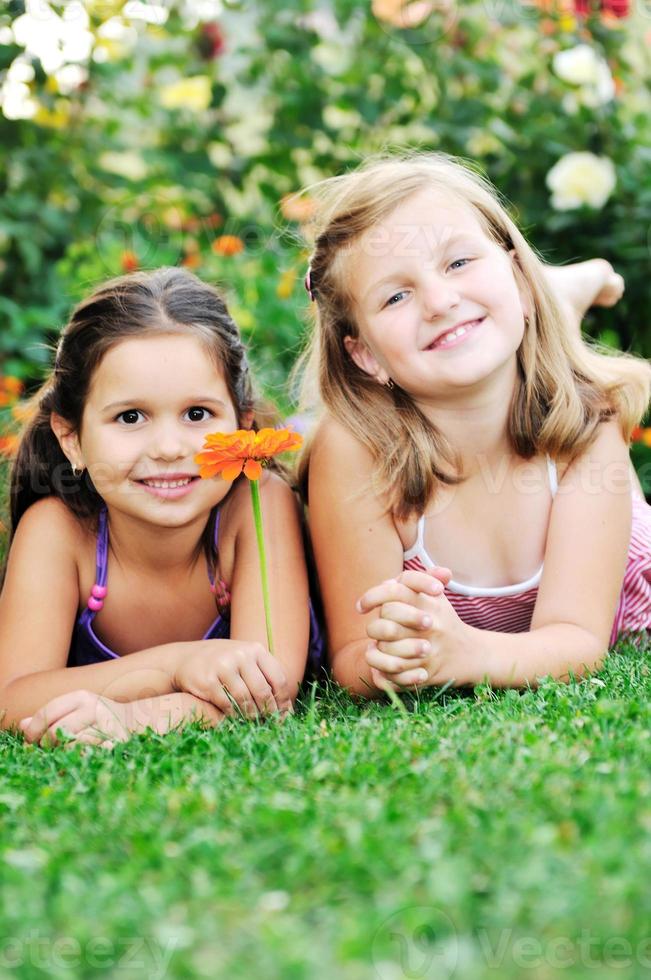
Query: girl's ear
point(362, 356)
point(67, 439)
point(246, 419)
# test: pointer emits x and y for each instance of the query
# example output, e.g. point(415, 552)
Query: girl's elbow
point(588, 659)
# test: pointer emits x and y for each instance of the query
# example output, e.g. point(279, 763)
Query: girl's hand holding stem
point(418, 637)
point(235, 675)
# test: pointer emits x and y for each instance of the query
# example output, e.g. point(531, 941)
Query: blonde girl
point(471, 502)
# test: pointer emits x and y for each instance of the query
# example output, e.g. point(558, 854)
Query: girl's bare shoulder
point(51, 521)
point(334, 444)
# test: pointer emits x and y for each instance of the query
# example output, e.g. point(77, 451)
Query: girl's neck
point(152, 548)
point(476, 425)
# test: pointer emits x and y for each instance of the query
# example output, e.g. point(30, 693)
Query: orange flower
point(229, 454)
point(641, 435)
point(11, 385)
point(227, 245)
point(8, 445)
point(129, 262)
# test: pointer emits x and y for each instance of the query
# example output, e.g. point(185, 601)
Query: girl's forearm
point(350, 670)
point(170, 711)
point(147, 673)
point(520, 659)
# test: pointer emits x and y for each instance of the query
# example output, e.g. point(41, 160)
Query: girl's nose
point(169, 442)
point(440, 295)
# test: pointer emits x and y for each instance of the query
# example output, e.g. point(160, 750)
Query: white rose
point(579, 179)
point(582, 66)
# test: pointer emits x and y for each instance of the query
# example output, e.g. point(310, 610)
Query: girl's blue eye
point(130, 417)
point(395, 298)
point(457, 262)
point(198, 414)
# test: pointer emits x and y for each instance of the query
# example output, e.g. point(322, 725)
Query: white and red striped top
point(509, 608)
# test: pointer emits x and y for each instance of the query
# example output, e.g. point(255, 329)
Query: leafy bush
point(167, 132)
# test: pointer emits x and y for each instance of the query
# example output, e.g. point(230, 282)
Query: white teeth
point(453, 334)
point(167, 484)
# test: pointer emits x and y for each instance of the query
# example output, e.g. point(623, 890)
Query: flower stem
point(257, 517)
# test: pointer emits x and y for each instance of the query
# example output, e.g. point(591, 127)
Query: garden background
point(135, 134)
point(356, 841)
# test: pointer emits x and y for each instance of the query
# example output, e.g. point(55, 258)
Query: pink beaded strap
point(99, 590)
point(218, 587)
point(96, 597)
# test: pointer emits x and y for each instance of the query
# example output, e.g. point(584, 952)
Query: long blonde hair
point(564, 388)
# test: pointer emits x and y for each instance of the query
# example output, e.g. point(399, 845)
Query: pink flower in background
point(212, 42)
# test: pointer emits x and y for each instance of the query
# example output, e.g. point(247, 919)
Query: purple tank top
point(86, 647)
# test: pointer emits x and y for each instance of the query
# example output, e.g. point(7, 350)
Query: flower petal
point(231, 471)
point(252, 469)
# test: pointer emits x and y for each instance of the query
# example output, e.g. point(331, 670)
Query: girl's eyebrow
point(195, 400)
point(465, 237)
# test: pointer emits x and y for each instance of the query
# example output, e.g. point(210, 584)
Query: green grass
point(489, 834)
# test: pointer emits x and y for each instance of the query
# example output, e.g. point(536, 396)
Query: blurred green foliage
point(179, 128)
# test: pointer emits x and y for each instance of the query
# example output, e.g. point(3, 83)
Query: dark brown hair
point(166, 301)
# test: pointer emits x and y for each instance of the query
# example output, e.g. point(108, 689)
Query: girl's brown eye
point(130, 417)
point(198, 414)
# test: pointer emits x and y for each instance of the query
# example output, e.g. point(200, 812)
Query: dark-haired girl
point(132, 594)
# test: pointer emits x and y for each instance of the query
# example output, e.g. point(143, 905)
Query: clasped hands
point(417, 636)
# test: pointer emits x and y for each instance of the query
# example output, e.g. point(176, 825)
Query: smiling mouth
point(456, 333)
point(167, 484)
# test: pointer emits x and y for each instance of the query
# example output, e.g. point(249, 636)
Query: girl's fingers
point(406, 615)
point(410, 678)
point(242, 697)
point(388, 664)
point(440, 572)
point(411, 649)
point(217, 694)
point(406, 587)
point(35, 727)
point(390, 591)
point(275, 674)
point(388, 631)
point(70, 725)
point(427, 583)
point(58, 734)
point(382, 682)
point(93, 736)
point(260, 688)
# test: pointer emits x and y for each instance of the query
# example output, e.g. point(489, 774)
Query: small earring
point(389, 384)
